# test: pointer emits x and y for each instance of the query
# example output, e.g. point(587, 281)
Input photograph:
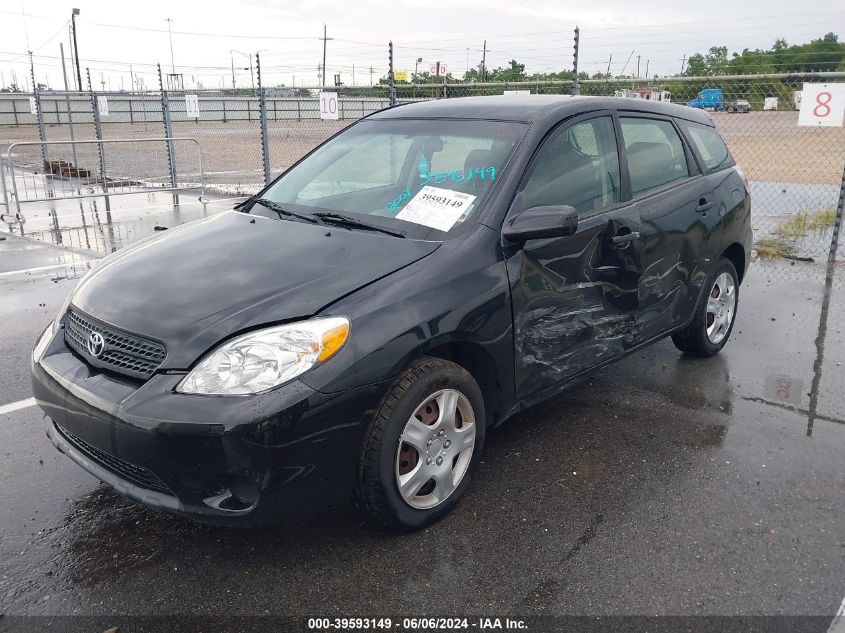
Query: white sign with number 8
point(822, 105)
point(328, 106)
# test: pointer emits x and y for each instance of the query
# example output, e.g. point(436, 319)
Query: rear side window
point(655, 153)
point(709, 144)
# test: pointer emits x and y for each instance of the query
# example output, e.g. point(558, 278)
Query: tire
point(715, 312)
point(389, 453)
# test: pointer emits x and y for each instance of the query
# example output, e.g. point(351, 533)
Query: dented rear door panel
point(678, 244)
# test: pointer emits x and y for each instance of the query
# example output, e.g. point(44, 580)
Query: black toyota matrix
point(355, 328)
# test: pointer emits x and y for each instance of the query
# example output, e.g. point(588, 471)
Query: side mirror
point(541, 222)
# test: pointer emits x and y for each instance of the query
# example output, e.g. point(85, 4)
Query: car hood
point(200, 283)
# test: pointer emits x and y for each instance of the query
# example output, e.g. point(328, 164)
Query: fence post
point(168, 133)
point(576, 89)
point(837, 226)
point(262, 110)
point(392, 93)
point(39, 115)
point(98, 132)
point(3, 182)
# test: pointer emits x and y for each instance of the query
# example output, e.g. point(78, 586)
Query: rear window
point(709, 144)
point(655, 153)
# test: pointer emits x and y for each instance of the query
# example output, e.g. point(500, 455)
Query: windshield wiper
point(338, 219)
point(264, 202)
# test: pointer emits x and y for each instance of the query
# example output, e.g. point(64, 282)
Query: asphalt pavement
point(662, 486)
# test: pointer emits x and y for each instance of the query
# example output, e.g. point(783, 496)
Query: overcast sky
point(115, 34)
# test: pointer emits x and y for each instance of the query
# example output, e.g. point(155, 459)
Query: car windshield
point(421, 178)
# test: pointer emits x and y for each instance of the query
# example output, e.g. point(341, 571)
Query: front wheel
point(713, 321)
point(422, 445)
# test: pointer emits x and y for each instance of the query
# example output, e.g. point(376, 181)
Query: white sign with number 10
point(328, 105)
point(822, 105)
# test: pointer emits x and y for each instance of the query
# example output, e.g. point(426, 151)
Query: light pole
point(417, 62)
point(232, 58)
point(73, 15)
point(251, 75)
point(170, 36)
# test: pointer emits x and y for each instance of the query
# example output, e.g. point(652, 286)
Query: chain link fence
point(795, 173)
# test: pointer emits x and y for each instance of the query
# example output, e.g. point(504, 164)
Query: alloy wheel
point(721, 308)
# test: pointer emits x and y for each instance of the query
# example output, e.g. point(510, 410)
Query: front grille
point(123, 353)
point(137, 475)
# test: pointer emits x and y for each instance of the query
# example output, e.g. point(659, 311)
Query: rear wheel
point(422, 446)
point(714, 319)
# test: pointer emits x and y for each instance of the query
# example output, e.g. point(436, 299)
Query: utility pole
point(73, 15)
point(628, 61)
point(324, 54)
point(683, 63)
point(608, 65)
point(67, 106)
point(64, 69)
point(371, 75)
point(646, 68)
point(232, 57)
point(170, 36)
point(251, 76)
point(484, 63)
point(325, 39)
point(638, 66)
point(576, 89)
point(131, 80)
point(353, 75)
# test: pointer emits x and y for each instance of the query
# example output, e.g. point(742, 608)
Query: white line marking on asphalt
point(838, 623)
point(30, 270)
point(15, 406)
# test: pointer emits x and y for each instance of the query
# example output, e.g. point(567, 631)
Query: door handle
point(704, 205)
point(624, 239)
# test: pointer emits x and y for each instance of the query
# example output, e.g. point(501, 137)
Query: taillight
point(742, 175)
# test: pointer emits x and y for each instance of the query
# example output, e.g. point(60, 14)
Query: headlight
point(58, 320)
point(50, 331)
point(264, 359)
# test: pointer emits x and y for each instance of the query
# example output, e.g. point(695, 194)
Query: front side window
point(578, 166)
point(655, 153)
point(709, 144)
point(421, 177)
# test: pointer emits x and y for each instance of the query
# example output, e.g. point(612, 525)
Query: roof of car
point(532, 108)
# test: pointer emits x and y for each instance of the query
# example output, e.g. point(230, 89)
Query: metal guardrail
point(42, 176)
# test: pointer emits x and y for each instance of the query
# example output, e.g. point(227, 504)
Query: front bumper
point(289, 450)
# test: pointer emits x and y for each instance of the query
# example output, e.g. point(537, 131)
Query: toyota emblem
point(96, 344)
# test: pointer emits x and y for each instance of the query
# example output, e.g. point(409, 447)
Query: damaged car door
point(575, 297)
point(679, 217)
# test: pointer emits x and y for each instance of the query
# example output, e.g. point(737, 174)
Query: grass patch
point(772, 247)
point(799, 224)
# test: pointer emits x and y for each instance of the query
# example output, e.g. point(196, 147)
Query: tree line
point(823, 54)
